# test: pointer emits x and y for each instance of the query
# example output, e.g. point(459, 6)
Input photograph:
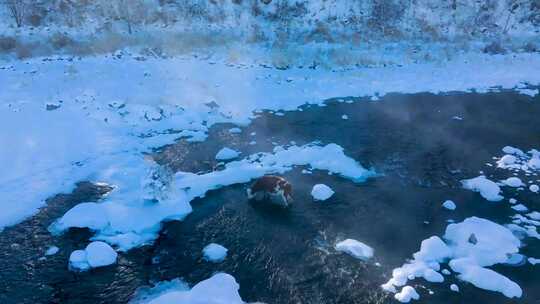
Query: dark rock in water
point(472, 239)
point(272, 189)
point(52, 106)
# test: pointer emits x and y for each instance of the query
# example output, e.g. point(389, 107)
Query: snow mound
point(78, 261)
point(100, 254)
point(221, 288)
point(513, 182)
point(226, 154)
point(52, 250)
point(214, 253)
point(355, 248)
point(469, 247)
point(506, 160)
point(407, 294)
point(513, 151)
point(450, 205)
point(321, 192)
point(487, 188)
point(96, 254)
point(520, 208)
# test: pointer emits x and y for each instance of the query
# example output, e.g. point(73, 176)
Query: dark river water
point(287, 257)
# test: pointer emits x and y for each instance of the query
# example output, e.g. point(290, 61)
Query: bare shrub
point(7, 44)
point(60, 41)
point(26, 50)
point(494, 48)
point(17, 10)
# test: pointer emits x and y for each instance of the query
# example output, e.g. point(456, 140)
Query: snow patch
point(407, 294)
point(96, 254)
point(321, 192)
point(487, 188)
point(52, 250)
point(355, 249)
point(221, 288)
point(227, 154)
point(470, 246)
point(513, 182)
point(214, 253)
point(450, 205)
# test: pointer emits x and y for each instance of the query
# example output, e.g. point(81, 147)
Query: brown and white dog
point(273, 189)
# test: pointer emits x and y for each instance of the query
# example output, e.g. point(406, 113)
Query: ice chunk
point(321, 192)
point(520, 208)
point(534, 188)
point(99, 254)
point(96, 254)
point(513, 182)
point(492, 244)
point(450, 205)
point(235, 130)
point(52, 250)
point(221, 288)
point(214, 253)
point(487, 188)
point(535, 215)
point(407, 294)
point(534, 163)
point(534, 261)
point(89, 215)
point(355, 248)
point(513, 151)
point(78, 261)
point(226, 154)
point(454, 287)
point(345, 117)
point(486, 278)
point(512, 201)
point(506, 161)
point(446, 272)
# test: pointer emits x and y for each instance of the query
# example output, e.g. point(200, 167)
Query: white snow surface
point(221, 288)
point(488, 189)
point(407, 294)
point(127, 221)
point(520, 208)
point(494, 244)
point(321, 192)
point(214, 253)
point(355, 249)
point(227, 154)
point(96, 254)
point(513, 182)
point(96, 131)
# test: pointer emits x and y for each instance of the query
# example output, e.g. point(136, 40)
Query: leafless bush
point(26, 50)
point(60, 41)
point(494, 48)
point(7, 44)
point(17, 10)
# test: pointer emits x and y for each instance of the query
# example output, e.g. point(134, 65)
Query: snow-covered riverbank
point(73, 119)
